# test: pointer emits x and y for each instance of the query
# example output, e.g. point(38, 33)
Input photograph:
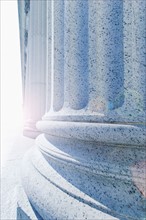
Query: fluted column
point(89, 163)
point(23, 9)
point(93, 40)
point(35, 51)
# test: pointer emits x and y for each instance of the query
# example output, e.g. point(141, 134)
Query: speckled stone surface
point(98, 61)
point(90, 162)
point(120, 134)
point(85, 180)
point(72, 191)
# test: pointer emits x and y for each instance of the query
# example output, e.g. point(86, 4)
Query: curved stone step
point(24, 209)
point(59, 192)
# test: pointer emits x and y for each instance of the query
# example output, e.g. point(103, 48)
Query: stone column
point(33, 50)
point(22, 28)
point(89, 163)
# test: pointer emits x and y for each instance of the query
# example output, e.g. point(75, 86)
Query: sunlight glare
point(11, 85)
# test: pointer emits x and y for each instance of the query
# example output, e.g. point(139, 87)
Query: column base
point(73, 179)
point(30, 130)
point(31, 133)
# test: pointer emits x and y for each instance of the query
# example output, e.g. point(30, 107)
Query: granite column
point(89, 163)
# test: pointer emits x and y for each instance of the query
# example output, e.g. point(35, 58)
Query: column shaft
point(49, 68)
point(76, 54)
point(95, 62)
point(134, 59)
point(58, 55)
point(36, 65)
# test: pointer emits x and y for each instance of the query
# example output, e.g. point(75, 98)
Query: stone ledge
point(119, 134)
point(93, 158)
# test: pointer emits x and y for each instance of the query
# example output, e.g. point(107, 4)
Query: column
point(23, 9)
point(34, 80)
point(89, 163)
point(107, 96)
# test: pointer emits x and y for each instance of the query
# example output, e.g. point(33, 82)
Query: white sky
point(11, 93)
